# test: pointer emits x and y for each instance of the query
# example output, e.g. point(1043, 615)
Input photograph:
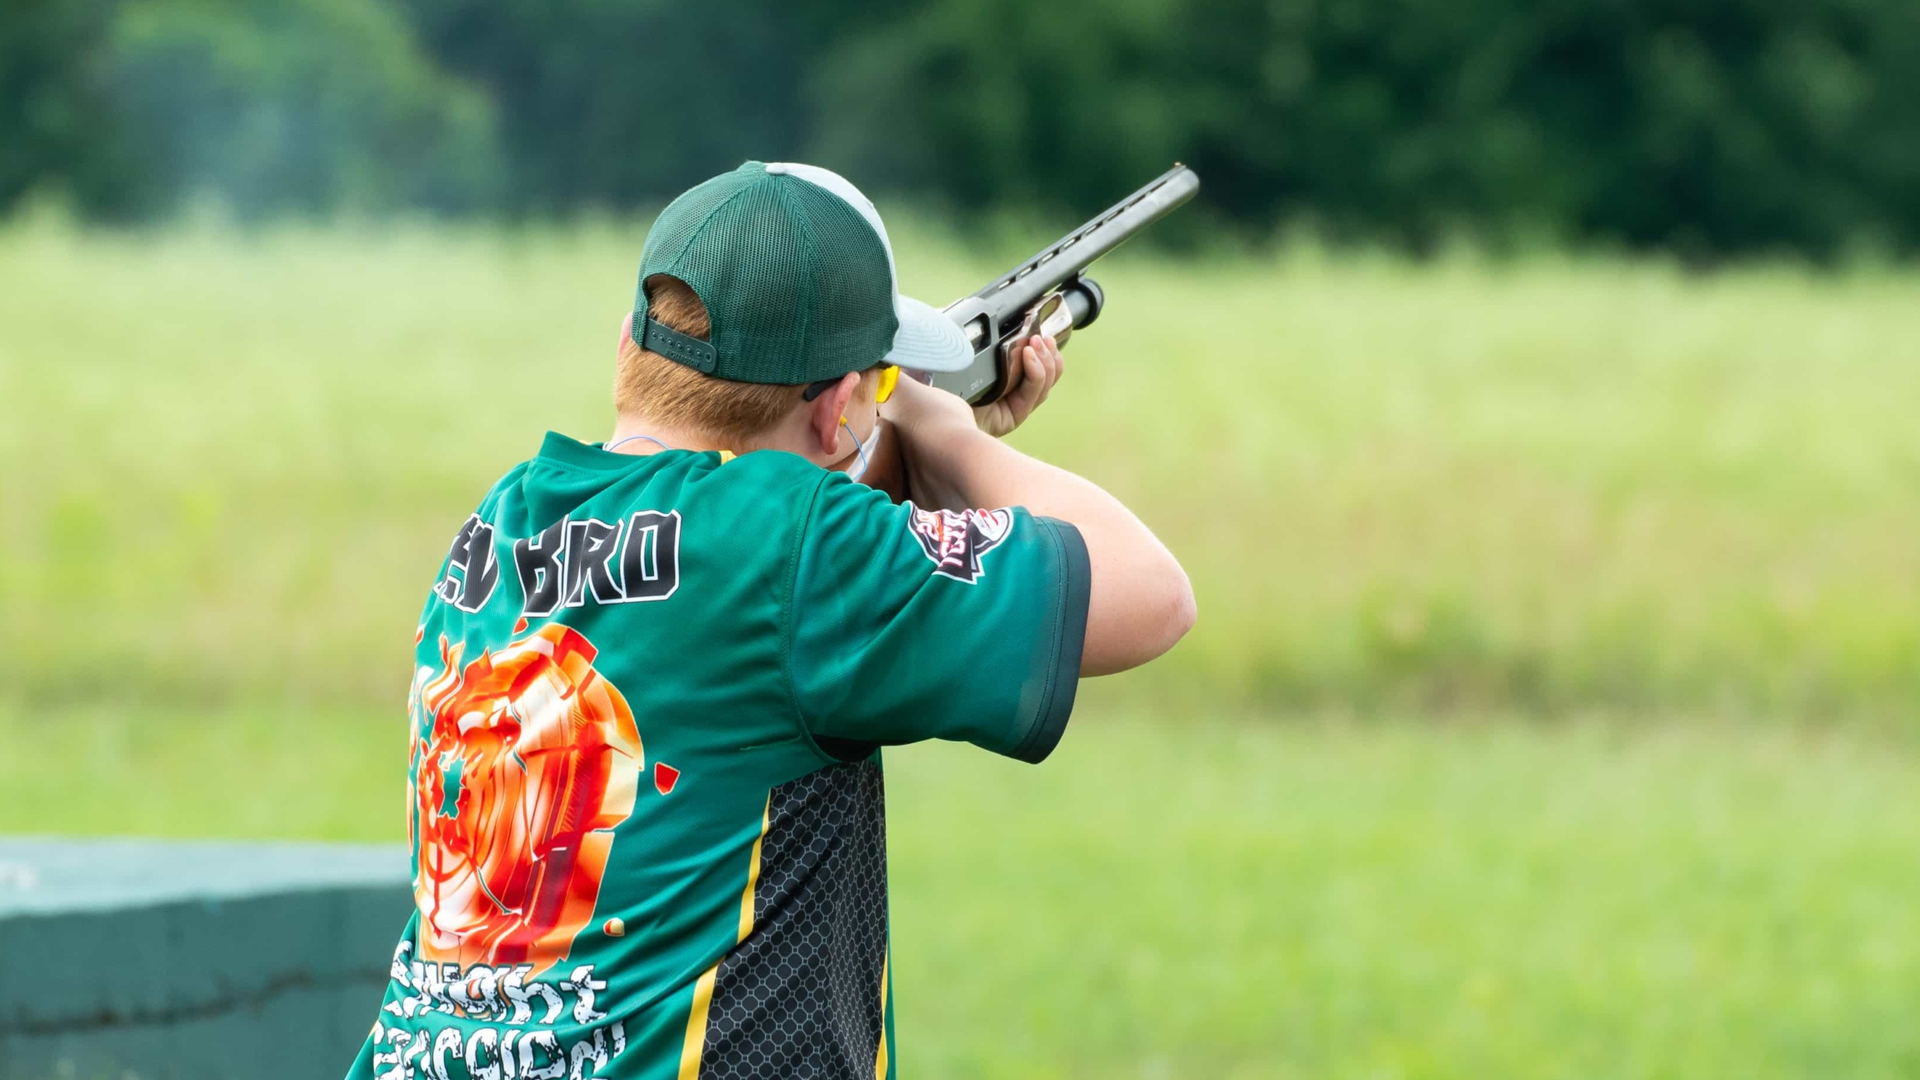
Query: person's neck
point(640, 432)
point(791, 438)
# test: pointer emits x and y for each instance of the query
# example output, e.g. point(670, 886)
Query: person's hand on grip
point(1040, 368)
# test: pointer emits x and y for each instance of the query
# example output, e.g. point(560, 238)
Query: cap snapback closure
point(663, 339)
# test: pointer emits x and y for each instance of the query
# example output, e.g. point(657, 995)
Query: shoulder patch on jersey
point(956, 539)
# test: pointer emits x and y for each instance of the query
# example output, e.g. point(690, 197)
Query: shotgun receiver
point(1050, 293)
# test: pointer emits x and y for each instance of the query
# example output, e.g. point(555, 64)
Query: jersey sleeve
point(908, 624)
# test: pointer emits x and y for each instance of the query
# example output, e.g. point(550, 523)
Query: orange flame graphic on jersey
point(531, 758)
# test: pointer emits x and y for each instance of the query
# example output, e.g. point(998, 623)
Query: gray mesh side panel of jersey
point(800, 998)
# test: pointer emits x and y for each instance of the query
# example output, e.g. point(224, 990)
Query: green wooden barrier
point(157, 960)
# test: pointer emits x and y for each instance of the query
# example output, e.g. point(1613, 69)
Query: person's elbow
point(1140, 621)
point(1180, 609)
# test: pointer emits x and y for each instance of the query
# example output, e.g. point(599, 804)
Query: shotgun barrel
point(997, 314)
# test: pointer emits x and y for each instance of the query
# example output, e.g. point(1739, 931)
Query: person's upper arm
point(907, 624)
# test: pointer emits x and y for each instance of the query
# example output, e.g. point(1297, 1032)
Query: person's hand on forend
point(1040, 368)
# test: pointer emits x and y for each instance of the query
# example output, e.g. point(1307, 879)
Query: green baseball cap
point(797, 276)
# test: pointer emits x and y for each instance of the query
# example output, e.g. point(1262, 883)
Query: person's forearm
point(1140, 602)
point(968, 468)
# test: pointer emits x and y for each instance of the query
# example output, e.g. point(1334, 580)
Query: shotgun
point(1047, 294)
point(1050, 293)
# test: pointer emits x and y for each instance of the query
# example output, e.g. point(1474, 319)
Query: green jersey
point(645, 799)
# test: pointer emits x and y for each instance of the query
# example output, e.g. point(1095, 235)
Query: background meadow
point(1545, 484)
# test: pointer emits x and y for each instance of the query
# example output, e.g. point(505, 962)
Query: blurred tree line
point(1707, 126)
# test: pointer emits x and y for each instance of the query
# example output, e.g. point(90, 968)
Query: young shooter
point(654, 675)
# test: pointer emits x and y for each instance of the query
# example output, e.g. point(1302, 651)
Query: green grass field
point(1550, 713)
point(231, 463)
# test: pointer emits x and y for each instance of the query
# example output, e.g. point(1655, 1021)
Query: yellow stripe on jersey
point(697, 1025)
point(703, 989)
point(880, 1058)
point(753, 875)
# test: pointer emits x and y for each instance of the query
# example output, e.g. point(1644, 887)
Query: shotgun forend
point(1022, 302)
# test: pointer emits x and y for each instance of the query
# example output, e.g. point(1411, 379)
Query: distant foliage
point(613, 104)
point(1704, 125)
point(298, 104)
point(270, 105)
point(1708, 127)
point(56, 122)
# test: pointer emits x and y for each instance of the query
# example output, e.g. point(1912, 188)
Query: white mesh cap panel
point(927, 339)
point(839, 185)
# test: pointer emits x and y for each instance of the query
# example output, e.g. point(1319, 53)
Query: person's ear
point(626, 331)
point(828, 408)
